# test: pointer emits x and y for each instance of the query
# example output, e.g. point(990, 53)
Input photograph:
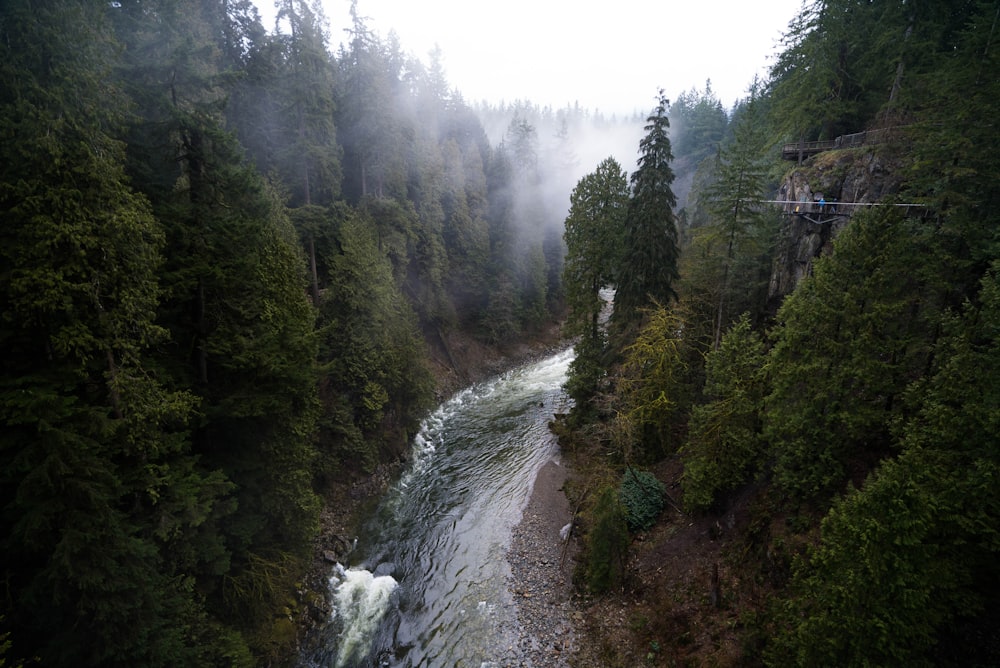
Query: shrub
point(607, 543)
point(642, 497)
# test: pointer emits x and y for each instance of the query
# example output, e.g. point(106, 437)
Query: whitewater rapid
point(430, 583)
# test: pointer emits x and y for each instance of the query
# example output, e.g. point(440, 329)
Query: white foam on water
point(361, 600)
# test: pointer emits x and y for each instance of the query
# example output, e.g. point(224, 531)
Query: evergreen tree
point(906, 569)
point(377, 381)
point(308, 155)
point(466, 235)
point(299, 136)
point(655, 387)
point(851, 337)
point(698, 123)
point(845, 61)
point(527, 258)
point(500, 319)
point(953, 164)
point(739, 233)
point(236, 307)
point(650, 251)
point(97, 477)
point(607, 543)
point(374, 136)
point(427, 184)
point(724, 447)
point(594, 230)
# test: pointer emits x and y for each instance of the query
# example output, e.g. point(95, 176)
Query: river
point(429, 583)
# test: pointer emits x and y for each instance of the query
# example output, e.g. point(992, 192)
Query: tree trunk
point(715, 594)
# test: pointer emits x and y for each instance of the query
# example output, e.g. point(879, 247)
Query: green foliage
point(733, 247)
point(593, 235)
point(586, 373)
point(466, 233)
point(953, 167)
point(698, 124)
point(159, 393)
point(844, 62)
point(851, 338)
point(912, 554)
point(725, 447)
point(650, 251)
point(93, 452)
point(642, 499)
point(371, 347)
point(607, 543)
point(655, 386)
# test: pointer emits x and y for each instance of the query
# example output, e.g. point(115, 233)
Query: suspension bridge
point(821, 211)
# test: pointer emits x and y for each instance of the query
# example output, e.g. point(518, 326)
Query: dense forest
point(788, 428)
point(227, 256)
point(229, 253)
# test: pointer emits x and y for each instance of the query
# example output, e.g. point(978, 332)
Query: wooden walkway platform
point(801, 150)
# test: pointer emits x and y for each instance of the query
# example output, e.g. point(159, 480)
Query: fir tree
point(650, 251)
point(594, 230)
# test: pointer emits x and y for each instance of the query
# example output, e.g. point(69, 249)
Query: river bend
point(429, 583)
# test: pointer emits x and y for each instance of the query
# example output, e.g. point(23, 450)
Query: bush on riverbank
point(606, 545)
point(642, 498)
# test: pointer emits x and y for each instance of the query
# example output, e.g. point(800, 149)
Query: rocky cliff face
point(840, 176)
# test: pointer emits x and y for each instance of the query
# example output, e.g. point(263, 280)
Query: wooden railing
point(804, 149)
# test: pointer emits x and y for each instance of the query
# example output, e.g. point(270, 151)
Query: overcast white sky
point(612, 56)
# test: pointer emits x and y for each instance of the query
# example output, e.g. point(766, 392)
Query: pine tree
point(905, 572)
point(594, 230)
point(298, 124)
point(650, 251)
point(466, 234)
point(501, 317)
point(738, 236)
point(655, 388)
point(236, 303)
point(97, 476)
point(699, 124)
point(851, 337)
point(724, 447)
point(373, 133)
point(377, 381)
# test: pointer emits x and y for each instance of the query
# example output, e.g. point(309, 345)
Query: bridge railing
point(805, 149)
point(834, 207)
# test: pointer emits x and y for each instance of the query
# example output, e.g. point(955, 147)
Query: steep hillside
point(863, 175)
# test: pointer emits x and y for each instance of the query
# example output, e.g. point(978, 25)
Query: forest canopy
point(228, 255)
point(806, 384)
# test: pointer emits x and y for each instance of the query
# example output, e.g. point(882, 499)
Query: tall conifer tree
point(236, 306)
point(649, 260)
point(594, 229)
point(97, 478)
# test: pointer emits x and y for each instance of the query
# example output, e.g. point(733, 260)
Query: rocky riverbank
point(541, 562)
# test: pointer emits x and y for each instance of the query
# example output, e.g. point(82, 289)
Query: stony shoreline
point(541, 573)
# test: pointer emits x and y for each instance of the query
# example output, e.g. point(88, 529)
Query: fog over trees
point(229, 254)
point(822, 433)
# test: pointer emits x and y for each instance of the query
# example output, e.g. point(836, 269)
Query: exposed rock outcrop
point(840, 176)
